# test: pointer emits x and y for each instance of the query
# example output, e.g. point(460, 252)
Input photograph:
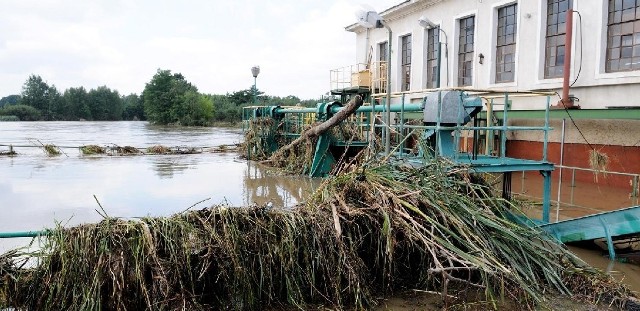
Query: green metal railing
point(24, 234)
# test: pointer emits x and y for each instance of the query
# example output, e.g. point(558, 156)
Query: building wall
point(594, 87)
point(623, 159)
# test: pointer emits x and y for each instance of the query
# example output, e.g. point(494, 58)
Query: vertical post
point(503, 142)
point(573, 184)
point(560, 172)
point(438, 134)
point(546, 130)
point(489, 142)
point(372, 121)
point(438, 62)
point(546, 196)
point(385, 125)
point(255, 71)
point(255, 91)
point(607, 233)
point(401, 138)
point(634, 192)
point(387, 137)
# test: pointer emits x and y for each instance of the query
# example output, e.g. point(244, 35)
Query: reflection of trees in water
point(261, 187)
point(167, 166)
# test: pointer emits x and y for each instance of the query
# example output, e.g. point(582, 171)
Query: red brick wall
point(621, 159)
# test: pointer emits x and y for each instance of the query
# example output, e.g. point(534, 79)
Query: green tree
point(105, 104)
point(35, 94)
point(77, 102)
point(56, 108)
point(133, 107)
point(245, 97)
point(9, 100)
point(23, 112)
point(163, 97)
point(195, 109)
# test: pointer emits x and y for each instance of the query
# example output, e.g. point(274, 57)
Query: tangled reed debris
point(158, 149)
point(11, 152)
point(126, 150)
point(92, 149)
point(365, 234)
point(598, 161)
point(51, 150)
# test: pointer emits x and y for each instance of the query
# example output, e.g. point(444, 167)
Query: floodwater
point(36, 191)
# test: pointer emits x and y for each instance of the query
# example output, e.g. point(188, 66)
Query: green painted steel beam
point(393, 108)
point(23, 234)
point(614, 113)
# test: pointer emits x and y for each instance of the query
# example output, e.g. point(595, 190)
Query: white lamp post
point(255, 70)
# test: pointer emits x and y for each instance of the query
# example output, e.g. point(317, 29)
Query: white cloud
point(213, 43)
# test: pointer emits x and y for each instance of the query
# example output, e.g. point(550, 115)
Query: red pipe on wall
point(566, 101)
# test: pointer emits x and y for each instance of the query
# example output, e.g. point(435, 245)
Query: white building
point(512, 45)
point(520, 46)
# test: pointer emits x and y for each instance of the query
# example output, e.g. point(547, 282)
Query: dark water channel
point(36, 191)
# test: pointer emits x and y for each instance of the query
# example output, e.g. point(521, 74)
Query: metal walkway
point(597, 226)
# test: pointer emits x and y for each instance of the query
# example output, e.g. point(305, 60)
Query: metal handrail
point(598, 171)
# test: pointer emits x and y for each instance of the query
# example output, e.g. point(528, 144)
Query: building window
point(382, 51)
point(433, 43)
point(506, 44)
point(465, 51)
point(406, 62)
point(623, 36)
point(381, 85)
point(555, 38)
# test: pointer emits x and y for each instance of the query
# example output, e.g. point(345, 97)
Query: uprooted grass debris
point(364, 234)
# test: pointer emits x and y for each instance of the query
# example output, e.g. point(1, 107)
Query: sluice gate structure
point(460, 125)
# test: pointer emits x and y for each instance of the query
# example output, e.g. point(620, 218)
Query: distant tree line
point(167, 99)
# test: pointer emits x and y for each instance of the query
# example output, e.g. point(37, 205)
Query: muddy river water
point(37, 191)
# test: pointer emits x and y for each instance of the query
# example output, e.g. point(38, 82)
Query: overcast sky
point(213, 43)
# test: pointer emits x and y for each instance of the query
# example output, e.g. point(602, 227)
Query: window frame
point(622, 25)
point(507, 64)
point(431, 59)
point(554, 38)
point(405, 62)
point(465, 55)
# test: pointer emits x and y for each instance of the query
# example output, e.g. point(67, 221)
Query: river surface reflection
point(37, 191)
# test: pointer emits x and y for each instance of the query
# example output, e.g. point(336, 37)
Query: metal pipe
point(546, 195)
point(634, 185)
point(402, 127)
point(497, 128)
point(503, 140)
point(489, 134)
point(255, 90)
point(566, 101)
point(387, 138)
point(438, 129)
point(546, 130)
point(439, 62)
point(560, 172)
point(24, 234)
point(392, 108)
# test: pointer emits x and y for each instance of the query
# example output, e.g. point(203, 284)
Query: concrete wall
point(594, 88)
